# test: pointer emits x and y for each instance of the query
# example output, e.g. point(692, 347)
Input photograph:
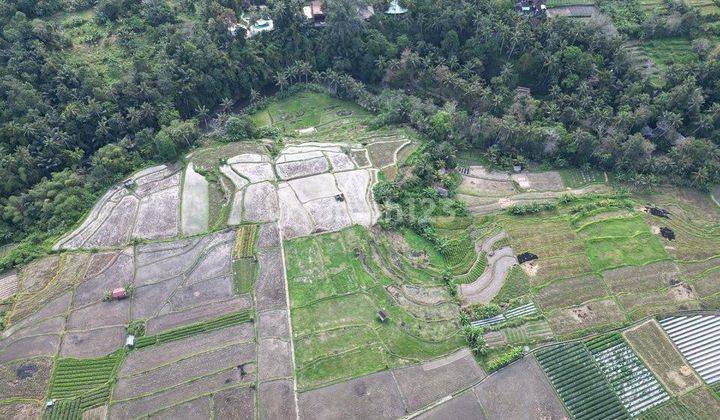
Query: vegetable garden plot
point(528, 309)
point(80, 384)
point(245, 241)
point(633, 383)
point(579, 382)
point(698, 339)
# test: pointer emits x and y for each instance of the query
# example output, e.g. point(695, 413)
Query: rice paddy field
point(597, 303)
point(338, 283)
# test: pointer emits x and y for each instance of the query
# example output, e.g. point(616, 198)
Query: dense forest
point(468, 74)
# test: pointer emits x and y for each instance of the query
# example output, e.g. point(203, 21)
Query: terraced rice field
point(580, 383)
point(698, 339)
point(634, 384)
point(337, 284)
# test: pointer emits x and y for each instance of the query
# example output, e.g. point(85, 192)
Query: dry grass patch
point(680, 297)
point(590, 316)
point(632, 279)
point(652, 345)
point(573, 291)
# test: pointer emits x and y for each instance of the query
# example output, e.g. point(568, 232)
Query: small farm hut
point(119, 293)
point(383, 315)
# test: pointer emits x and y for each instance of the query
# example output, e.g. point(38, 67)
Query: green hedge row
point(179, 333)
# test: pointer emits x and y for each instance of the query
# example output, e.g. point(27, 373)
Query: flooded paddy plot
point(146, 207)
point(519, 391)
point(8, 284)
point(657, 352)
point(195, 209)
point(488, 284)
point(320, 190)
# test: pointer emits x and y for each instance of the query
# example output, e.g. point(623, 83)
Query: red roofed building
point(119, 293)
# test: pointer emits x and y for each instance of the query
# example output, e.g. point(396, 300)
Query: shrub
point(521, 209)
point(480, 311)
point(505, 359)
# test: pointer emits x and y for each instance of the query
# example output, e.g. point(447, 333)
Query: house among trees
point(395, 8)
point(650, 133)
point(316, 12)
point(535, 8)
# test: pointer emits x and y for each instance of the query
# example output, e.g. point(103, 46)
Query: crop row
point(632, 382)
point(579, 382)
point(245, 241)
point(179, 333)
point(64, 410)
point(74, 377)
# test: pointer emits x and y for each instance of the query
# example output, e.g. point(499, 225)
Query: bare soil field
point(461, 407)
point(177, 394)
point(28, 379)
point(373, 396)
point(20, 411)
point(235, 403)
point(174, 319)
point(655, 349)
point(520, 391)
point(421, 385)
point(274, 359)
point(197, 408)
point(273, 324)
point(150, 358)
point(269, 287)
point(92, 343)
point(276, 400)
point(39, 345)
point(539, 181)
point(195, 366)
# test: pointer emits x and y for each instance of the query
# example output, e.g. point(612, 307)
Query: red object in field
point(119, 293)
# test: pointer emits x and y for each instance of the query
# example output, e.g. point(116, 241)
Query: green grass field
point(339, 281)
